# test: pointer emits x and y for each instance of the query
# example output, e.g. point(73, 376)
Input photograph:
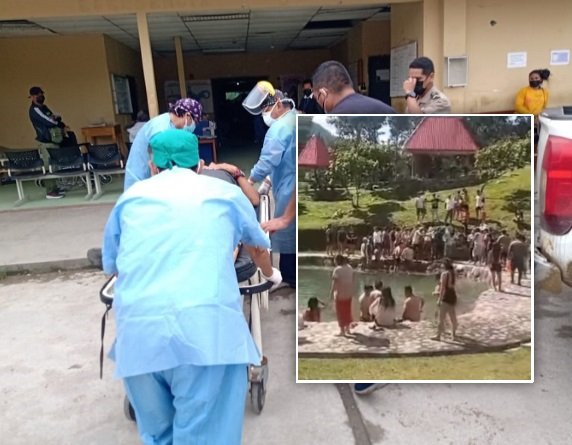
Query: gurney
point(254, 289)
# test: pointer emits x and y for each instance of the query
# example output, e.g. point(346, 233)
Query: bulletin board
point(121, 94)
point(401, 57)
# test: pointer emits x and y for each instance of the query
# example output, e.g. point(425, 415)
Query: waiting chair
point(24, 165)
point(69, 162)
point(104, 160)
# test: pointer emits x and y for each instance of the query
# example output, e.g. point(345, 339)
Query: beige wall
point(371, 38)
point(406, 27)
point(71, 70)
point(272, 64)
point(124, 61)
point(521, 26)
point(462, 27)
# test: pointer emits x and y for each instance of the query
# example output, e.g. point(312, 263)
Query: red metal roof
point(442, 135)
point(315, 154)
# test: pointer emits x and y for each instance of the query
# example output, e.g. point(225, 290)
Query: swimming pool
point(315, 282)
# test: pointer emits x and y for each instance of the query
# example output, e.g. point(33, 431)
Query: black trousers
point(288, 268)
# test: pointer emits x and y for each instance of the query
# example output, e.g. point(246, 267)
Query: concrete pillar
point(180, 66)
point(455, 44)
point(147, 61)
point(432, 43)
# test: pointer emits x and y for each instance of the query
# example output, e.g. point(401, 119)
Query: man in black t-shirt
point(334, 92)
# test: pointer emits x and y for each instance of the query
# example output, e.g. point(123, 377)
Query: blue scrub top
point(137, 167)
point(171, 239)
point(278, 160)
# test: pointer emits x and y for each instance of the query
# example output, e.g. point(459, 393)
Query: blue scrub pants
point(190, 405)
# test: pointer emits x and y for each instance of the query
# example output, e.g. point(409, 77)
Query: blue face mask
point(190, 128)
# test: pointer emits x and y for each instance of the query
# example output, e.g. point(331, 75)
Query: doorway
point(235, 126)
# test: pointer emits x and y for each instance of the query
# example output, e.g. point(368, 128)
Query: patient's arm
point(242, 182)
point(261, 258)
point(248, 190)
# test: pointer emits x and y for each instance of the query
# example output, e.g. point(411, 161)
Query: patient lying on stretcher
point(233, 175)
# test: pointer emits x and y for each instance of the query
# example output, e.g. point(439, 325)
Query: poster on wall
point(401, 57)
point(516, 59)
point(200, 90)
point(560, 57)
point(121, 94)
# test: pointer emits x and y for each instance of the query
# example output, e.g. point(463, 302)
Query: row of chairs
point(97, 161)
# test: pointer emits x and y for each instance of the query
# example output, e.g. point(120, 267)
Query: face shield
point(261, 96)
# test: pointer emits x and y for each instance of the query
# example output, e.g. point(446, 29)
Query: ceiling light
point(216, 17)
point(223, 50)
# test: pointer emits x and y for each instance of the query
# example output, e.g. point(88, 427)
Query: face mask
point(535, 83)
point(190, 128)
point(419, 88)
point(41, 99)
point(268, 119)
point(307, 92)
point(267, 116)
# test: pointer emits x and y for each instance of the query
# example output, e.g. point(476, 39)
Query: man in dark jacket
point(51, 132)
point(308, 104)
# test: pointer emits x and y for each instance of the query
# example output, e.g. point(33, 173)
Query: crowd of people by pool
point(377, 304)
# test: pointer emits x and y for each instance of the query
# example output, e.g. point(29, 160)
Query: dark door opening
point(378, 71)
point(235, 126)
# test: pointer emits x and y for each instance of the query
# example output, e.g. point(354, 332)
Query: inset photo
point(414, 248)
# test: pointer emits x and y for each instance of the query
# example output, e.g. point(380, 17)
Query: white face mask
point(267, 116)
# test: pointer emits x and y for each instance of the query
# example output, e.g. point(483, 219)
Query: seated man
point(412, 306)
point(365, 301)
point(182, 344)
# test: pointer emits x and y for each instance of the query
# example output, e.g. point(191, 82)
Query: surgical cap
point(175, 147)
point(186, 105)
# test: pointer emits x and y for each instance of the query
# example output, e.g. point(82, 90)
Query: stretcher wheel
point(128, 409)
point(257, 396)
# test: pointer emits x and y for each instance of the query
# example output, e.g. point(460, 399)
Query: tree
point(358, 127)
point(401, 127)
point(489, 129)
point(354, 160)
point(508, 154)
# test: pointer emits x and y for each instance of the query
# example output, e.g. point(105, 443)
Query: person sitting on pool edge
point(412, 306)
point(313, 313)
point(365, 300)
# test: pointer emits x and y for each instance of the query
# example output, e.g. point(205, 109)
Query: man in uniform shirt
point(420, 93)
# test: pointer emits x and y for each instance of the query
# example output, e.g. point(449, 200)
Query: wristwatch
point(411, 94)
point(240, 174)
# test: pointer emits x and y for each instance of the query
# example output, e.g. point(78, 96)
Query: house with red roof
point(437, 138)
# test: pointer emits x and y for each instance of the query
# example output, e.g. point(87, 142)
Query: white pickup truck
point(554, 185)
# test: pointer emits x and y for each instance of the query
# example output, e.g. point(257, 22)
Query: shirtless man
point(412, 306)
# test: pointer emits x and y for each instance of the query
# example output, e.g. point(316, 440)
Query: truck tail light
point(556, 182)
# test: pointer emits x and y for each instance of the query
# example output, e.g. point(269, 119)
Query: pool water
point(315, 282)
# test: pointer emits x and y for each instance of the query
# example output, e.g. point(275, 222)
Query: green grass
point(509, 365)
point(513, 186)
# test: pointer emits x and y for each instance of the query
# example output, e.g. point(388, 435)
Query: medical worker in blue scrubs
point(185, 113)
point(182, 343)
point(278, 161)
